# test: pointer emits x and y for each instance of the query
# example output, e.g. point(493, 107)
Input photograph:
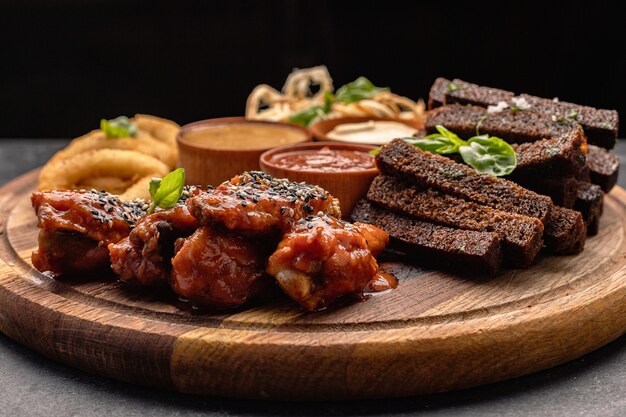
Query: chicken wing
point(218, 269)
point(76, 227)
point(255, 202)
point(321, 259)
point(145, 254)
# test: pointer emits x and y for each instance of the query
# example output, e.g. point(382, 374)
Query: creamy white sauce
point(372, 132)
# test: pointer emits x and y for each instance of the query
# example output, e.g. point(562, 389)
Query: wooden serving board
point(435, 332)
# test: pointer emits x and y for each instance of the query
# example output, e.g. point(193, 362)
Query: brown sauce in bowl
point(325, 160)
point(243, 136)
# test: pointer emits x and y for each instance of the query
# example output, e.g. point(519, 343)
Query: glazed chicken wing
point(67, 253)
point(145, 254)
point(323, 258)
point(217, 269)
point(76, 227)
point(255, 202)
point(375, 238)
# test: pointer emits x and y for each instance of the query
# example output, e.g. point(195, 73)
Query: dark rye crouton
point(553, 158)
point(538, 163)
point(424, 169)
point(585, 174)
point(437, 94)
point(521, 235)
point(563, 192)
point(565, 233)
point(512, 126)
point(589, 203)
point(603, 167)
point(462, 92)
point(465, 251)
point(601, 126)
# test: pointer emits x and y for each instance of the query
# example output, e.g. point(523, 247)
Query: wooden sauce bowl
point(210, 165)
point(347, 186)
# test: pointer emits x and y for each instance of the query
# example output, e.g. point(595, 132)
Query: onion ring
point(162, 130)
point(114, 185)
point(68, 173)
point(139, 190)
point(143, 143)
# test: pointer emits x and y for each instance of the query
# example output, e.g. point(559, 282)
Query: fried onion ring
point(140, 189)
point(114, 185)
point(67, 174)
point(267, 103)
point(121, 166)
point(143, 143)
point(162, 130)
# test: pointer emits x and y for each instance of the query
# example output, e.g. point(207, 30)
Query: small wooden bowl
point(322, 127)
point(347, 186)
point(206, 165)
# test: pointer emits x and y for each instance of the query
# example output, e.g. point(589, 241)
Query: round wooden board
point(435, 332)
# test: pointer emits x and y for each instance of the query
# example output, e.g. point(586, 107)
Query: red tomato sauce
point(325, 160)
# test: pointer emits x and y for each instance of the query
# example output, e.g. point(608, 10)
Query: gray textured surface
point(31, 385)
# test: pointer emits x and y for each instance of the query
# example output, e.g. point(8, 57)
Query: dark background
point(65, 64)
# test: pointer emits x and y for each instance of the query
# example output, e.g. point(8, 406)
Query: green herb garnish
point(489, 154)
point(305, 117)
point(167, 191)
point(453, 87)
point(309, 115)
point(484, 153)
point(357, 90)
point(442, 143)
point(120, 127)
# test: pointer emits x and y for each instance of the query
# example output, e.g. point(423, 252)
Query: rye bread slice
point(554, 158)
point(439, 173)
point(603, 167)
point(589, 203)
point(437, 94)
point(600, 125)
point(464, 251)
point(521, 235)
point(563, 192)
point(565, 232)
point(467, 93)
point(512, 126)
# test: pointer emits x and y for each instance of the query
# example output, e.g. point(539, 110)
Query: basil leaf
point(357, 90)
point(168, 191)
point(120, 127)
point(305, 117)
point(442, 143)
point(489, 154)
point(329, 99)
point(154, 186)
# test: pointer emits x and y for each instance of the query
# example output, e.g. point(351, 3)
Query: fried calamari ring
point(144, 143)
point(67, 174)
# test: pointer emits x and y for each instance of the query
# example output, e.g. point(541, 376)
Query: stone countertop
point(593, 385)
